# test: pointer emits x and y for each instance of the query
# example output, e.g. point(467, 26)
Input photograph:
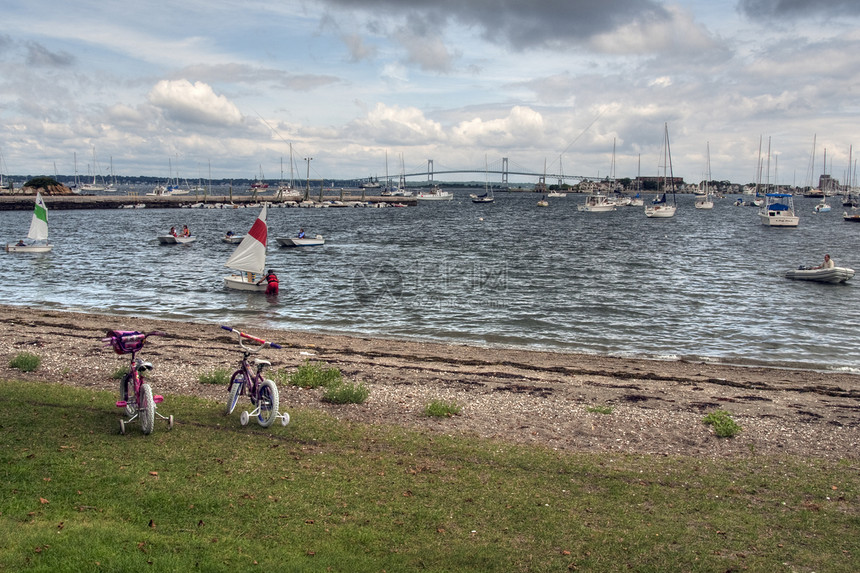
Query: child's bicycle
point(135, 395)
point(263, 393)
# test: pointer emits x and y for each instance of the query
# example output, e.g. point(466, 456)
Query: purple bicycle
point(135, 395)
point(245, 380)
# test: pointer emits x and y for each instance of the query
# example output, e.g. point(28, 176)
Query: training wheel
point(285, 419)
point(170, 422)
point(244, 417)
point(122, 427)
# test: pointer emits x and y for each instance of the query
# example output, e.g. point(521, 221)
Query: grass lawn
point(324, 495)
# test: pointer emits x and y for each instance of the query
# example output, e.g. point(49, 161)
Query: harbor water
point(704, 285)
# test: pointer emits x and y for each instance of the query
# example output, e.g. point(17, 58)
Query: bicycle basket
point(125, 341)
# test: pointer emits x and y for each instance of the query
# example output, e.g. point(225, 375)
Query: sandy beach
point(506, 394)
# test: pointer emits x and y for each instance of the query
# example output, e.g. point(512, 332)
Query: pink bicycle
point(262, 393)
point(135, 395)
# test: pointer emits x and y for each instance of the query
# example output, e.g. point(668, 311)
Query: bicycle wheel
point(268, 403)
point(147, 409)
point(126, 387)
point(236, 385)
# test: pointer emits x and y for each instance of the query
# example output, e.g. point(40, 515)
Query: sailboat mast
point(669, 157)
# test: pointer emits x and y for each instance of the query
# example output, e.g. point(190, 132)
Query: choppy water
point(705, 284)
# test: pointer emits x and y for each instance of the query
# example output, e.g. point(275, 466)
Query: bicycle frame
point(143, 405)
point(249, 381)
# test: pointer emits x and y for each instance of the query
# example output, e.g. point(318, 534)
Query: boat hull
point(234, 240)
point(772, 219)
point(440, 197)
point(303, 242)
point(171, 240)
point(660, 211)
point(241, 282)
point(831, 275)
point(28, 248)
point(596, 208)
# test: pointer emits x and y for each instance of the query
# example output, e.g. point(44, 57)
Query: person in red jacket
point(271, 280)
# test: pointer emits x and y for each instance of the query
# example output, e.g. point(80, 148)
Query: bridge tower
point(429, 170)
point(504, 170)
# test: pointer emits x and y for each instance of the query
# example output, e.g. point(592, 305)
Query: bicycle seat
point(261, 362)
point(141, 366)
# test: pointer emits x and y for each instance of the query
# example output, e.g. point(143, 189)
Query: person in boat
point(20, 243)
point(301, 234)
point(229, 235)
point(185, 231)
point(271, 280)
point(173, 231)
point(827, 264)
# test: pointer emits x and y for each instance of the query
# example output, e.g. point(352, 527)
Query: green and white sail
point(39, 224)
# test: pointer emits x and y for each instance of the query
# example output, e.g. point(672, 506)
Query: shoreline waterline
point(476, 345)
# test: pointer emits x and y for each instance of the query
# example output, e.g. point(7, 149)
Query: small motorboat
point(306, 241)
point(232, 239)
point(831, 275)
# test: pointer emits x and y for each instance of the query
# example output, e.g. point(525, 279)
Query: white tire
point(147, 410)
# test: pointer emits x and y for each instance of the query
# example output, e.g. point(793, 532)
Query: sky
point(367, 88)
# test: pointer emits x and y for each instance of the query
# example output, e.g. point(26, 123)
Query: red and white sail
point(250, 255)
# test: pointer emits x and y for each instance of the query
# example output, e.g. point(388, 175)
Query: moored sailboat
point(705, 200)
point(660, 207)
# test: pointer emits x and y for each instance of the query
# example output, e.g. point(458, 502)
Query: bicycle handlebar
point(260, 341)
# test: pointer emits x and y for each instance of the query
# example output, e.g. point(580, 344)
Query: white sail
point(39, 224)
point(250, 255)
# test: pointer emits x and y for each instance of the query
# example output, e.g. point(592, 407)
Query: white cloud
point(193, 103)
point(397, 125)
point(521, 127)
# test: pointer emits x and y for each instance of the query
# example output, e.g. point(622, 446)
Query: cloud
point(255, 75)
point(193, 103)
point(396, 125)
point(521, 24)
point(358, 49)
point(38, 55)
point(522, 126)
point(675, 32)
point(790, 9)
point(426, 50)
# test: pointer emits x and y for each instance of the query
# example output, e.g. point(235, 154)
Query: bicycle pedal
point(158, 398)
point(121, 404)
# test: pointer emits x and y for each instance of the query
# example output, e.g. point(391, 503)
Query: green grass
point(324, 494)
point(346, 393)
point(599, 409)
point(440, 409)
point(312, 375)
point(25, 362)
point(724, 425)
point(219, 376)
point(120, 373)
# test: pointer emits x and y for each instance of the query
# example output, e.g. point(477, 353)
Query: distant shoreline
point(67, 202)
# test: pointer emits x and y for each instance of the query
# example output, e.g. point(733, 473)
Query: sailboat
point(487, 195)
point(560, 182)
point(705, 201)
point(660, 208)
point(822, 206)
point(778, 210)
point(94, 186)
point(249, 258)
point(636, 200)
point(37, 237)
point(597, 202)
